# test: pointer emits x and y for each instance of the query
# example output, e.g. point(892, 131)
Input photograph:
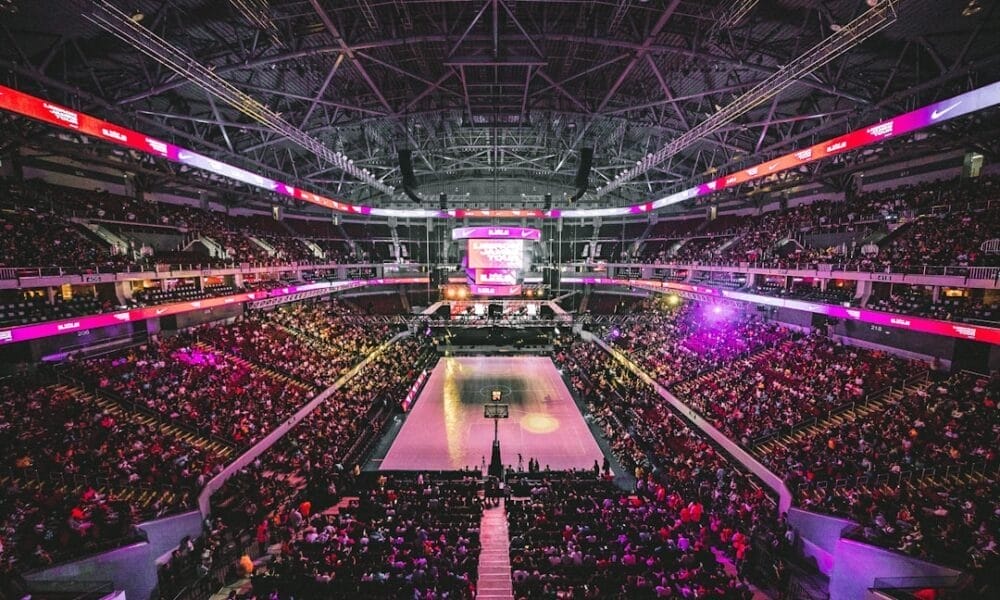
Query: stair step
point(494, 557)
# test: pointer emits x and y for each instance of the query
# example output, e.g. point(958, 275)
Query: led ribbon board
point(933, 114)
point(510, 233)
point(964, 331)
point(12, 335)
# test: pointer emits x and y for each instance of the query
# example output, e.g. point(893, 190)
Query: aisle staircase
point(494, 558)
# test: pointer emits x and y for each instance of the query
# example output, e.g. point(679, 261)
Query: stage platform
point(446, 429)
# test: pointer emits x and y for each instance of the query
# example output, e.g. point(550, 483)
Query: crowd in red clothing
point(60, 445)
point(691, 499)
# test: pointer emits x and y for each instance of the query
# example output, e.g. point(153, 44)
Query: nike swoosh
point(937, 114)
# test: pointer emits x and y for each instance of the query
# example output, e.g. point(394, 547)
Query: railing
point(836, 410)
point(70, 590)
point(967, 272)
point(134, 536)
point(154, 267)
point(897, 479)
point(133, 406)
point(224, 571)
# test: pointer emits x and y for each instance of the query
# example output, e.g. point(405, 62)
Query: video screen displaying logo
point(496, 254)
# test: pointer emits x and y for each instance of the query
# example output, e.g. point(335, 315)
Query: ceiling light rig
point(258, 13)
point(847, 37)
point(120, 24)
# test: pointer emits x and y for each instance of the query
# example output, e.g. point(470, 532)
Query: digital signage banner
point(40, 330)
point(513, 233)
point(989, 335)
point(930, 115)
point(495, 290)
point(495, 276)
point(495, 254)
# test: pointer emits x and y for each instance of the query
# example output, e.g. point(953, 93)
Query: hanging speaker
point(409, 179)
point(443, 201)
point(548, 201)
point(406, 168)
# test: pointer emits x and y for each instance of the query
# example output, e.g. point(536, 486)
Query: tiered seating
point(35, 308)
point(689, 499)
point(807, 291)
point(918, 469)
point(309, 462)
point(798, 379)
point(407, 536)
point(30, 238)
point(79, 471)
point(700, 249)
point(281, 340)
point(949, 239)
point(217, 394)
point(181, 293)
point(676, 344)
point(588, 539)
point(914, 300)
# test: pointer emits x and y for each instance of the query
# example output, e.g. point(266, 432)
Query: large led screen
point(496, 254)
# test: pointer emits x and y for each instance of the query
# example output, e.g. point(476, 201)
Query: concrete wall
point(166, 533)
point(857, 565)
point(130, 568)
point(819, 535)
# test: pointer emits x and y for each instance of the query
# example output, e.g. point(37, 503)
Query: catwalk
point(446, 429)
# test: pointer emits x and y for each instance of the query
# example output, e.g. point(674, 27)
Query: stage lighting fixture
point(463, 293)
point(673, 299)
point(717, 310)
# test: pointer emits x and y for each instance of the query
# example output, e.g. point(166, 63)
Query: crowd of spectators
point(407, 536)
point(692, 510)
point(202, 388)
point(676, 343)
point(949, 239)
point(858, 468)
point(33, 238)
point(916, 300)
point(938, 223)
point(800, 378)
point(315, 343)
point(77, 473)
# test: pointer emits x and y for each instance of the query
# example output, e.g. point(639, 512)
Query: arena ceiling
point(495, 98)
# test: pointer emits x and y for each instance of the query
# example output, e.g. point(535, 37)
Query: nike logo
point(937, 114)
point(160, 311)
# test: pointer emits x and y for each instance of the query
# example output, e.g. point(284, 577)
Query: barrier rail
point(836, 410)
point(248, 456)
point(739, 454)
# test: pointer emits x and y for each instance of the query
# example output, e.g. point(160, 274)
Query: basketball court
point(446, 429)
